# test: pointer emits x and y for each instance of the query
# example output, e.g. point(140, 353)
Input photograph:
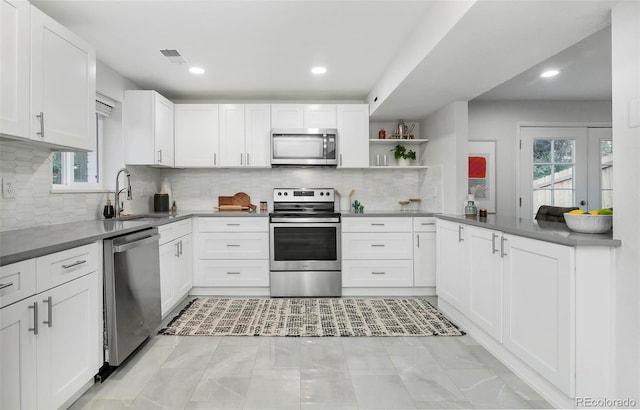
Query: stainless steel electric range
point(305, 243)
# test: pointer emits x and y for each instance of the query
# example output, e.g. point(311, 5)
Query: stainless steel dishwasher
point(131, 293)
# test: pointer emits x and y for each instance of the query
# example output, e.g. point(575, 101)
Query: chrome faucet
point(118, 190)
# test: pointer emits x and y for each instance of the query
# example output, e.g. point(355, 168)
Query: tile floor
point(188, 372)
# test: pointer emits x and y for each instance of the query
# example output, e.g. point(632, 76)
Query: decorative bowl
point(588, 223)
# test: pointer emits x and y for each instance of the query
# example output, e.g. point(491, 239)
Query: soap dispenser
point(471, 211)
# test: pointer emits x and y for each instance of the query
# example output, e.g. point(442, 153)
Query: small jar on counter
point(263, 206)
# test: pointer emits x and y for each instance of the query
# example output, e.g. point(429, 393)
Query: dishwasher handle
point(136, 244)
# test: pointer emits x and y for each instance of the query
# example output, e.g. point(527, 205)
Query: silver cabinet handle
point(41, 118)
point(418, 239)
point(427, 223)
point(49, 321)
point(241, 159)
point(215, 159)
point(159, 156)
point(248, 158)
point(233, 224)
point(34, 329)
point(493, 242)
point(378, 273)
point(502, 252)
point(232, 245)
point(177, 254)
point(373, 245)
point(377, 224)
point(5, 285)
point(181, 247)
point(74, 264)
point(233, 273)
point(460, 229)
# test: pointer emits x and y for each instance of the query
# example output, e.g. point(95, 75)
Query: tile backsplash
point(376, 189)
point(197, 189)
point(34, 203)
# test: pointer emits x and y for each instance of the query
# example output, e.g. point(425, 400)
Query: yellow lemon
point(576, 211)
point(594, 212)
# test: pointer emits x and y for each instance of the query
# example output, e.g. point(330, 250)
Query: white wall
point(625, 33)
point(498, 121)
point(445, 154)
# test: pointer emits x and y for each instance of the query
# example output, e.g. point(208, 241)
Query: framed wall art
point(481, 179)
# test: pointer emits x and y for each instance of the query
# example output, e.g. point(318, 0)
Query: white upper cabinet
point(257, 134)
point(196, 135)
point(232, 135)
point(353, 135)
point(287, 116)
point(320, 116)
point(14, 66)
point(48, 80)
point(63, 85)
point(148, 128)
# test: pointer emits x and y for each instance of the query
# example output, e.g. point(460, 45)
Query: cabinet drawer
point(61, 267)
point(424, 224)
point(174, 230)
point(233, 224)
point(245, 245)
point(379, 246)
point(232, 273)
point(380, 273)
point(365, 224)
point(17, 281)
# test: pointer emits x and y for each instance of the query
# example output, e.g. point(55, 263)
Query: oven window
point(305, 243)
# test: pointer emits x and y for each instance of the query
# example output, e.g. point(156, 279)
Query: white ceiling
point(264, 49)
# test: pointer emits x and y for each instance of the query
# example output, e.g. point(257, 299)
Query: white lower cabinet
point(176, 257)
point(232, 252)
point(538, 328)
point(526, 299)
point(424, 251)
point(50, 342)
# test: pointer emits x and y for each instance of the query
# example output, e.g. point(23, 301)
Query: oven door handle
point(294, 221)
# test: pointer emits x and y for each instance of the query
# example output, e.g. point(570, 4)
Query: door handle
point(232, 245)
point(34, 329)
point(160, 156)
point(41, 118)
point(418, 239)
point(460, 229)
point(49, 320)
point(180, 247)
point(378, 273)
point(177, 254)
point(502, 252)
point(241, 159)
point(215, 159)
point(233, 273)
point(247, 159)
point(377, 246)
point(493, 242)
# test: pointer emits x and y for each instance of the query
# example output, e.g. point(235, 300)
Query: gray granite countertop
point(387, 214)
point(555, 232)
point(21, 244)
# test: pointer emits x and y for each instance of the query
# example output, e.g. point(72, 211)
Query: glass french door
point(564, 166)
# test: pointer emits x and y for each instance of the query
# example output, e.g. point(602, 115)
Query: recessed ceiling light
point(319, 70)
point(550, 73)
point(196, 70)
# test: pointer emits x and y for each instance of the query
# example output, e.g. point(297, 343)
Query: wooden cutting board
point(243, 199)
point(232, 208)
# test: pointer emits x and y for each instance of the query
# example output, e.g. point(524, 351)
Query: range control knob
point(321, 193)
point(328, 194)
point(279, 193)
point(286, 193)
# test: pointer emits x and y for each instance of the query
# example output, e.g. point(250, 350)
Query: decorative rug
point(303, 317)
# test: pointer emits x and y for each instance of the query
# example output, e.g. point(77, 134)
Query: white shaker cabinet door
point(319, 116)
point(168, 255)
point(18, 355)
point(451, 264)
point(196, 135)
point(539, 322)
point(484, 279)
point(232, 150)
point(164, 131)
point(63, 85)
point(424, 259)
point(257, 134)
point(14, 60)
point(69, 340)
point(287, 116)
point(183, 276)
point(353, 135)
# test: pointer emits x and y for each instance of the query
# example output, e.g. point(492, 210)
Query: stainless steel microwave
point(304, 147)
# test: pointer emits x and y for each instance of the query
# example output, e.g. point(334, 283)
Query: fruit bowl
point(588, 223)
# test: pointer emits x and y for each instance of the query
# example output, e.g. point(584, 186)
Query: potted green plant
point(402, 155)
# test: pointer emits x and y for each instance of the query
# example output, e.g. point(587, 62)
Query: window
point(82, 170)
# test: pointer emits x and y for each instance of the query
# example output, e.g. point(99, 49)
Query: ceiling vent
point(174, 56)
